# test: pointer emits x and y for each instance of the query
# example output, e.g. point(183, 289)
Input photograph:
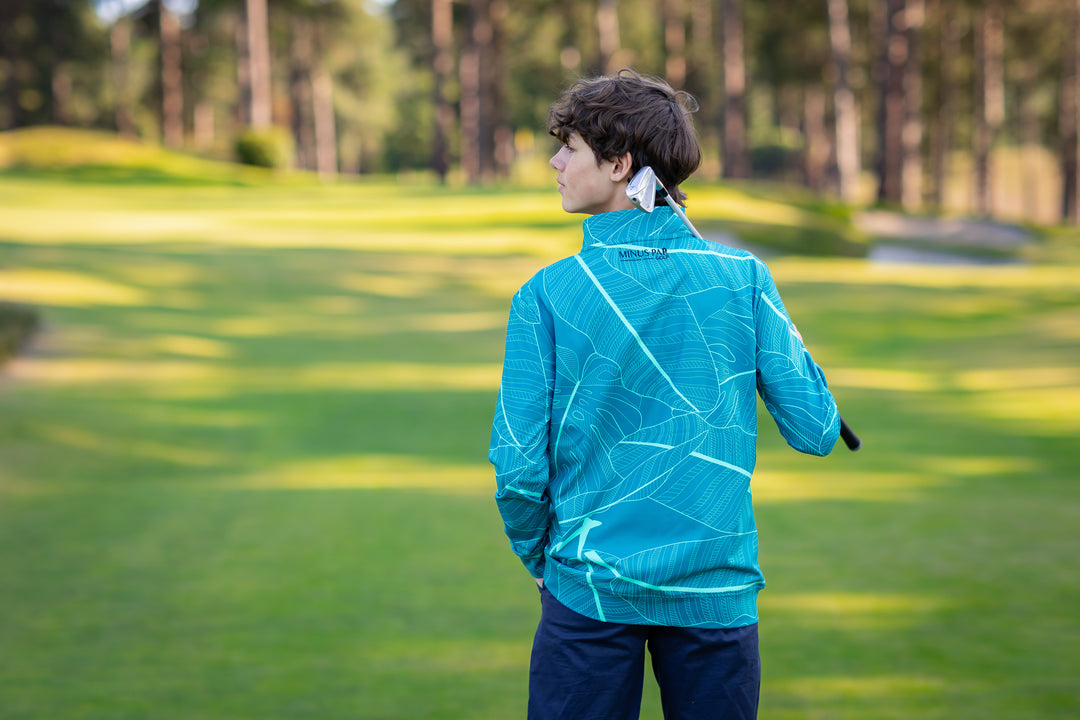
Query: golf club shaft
point(642, 190)
point(682, 216)
point(850, 438)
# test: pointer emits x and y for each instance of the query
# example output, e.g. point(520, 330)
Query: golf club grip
point(850, 438)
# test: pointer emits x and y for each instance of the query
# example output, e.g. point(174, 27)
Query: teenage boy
point(625, 431)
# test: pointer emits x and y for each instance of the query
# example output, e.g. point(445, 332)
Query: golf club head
point(642, 189)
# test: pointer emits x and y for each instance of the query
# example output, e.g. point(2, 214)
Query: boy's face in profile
point(587, 186)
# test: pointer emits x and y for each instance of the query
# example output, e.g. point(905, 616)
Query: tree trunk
point(1027, 79)
point(704, 67)
point(443, 64)
point(202, 125)
point(120, 43)
point(735, 161)
point(912, 166)
point(847, 121)
point(258, 43)
point(243, 70)
point(1069, 118)
point(172, 79)
point(12, 113)
point(892, 108)
point(607, 26)
point(60, 74)
point(61, 94)
point(322, 87)
point(499, 81)
point(941, 140)
point(816, 139)
point(989, 99)
point(490, 109)
point(675, 42)
point(570, 57)
point(301, 96)
point(470, 76)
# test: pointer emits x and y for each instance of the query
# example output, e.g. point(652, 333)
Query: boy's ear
point(621, 167)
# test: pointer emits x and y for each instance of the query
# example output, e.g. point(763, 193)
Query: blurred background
point(256, 258)
point(965, 106)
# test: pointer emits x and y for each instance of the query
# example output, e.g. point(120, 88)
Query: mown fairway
point(243, 470)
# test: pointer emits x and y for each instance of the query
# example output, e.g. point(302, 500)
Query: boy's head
point(628, 113)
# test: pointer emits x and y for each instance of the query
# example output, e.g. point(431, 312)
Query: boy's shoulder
point(535, 284)
point(556, 271)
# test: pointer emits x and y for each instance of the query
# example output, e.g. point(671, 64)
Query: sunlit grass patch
point(368, 471)
point(130, 373)
point(958, 467)
point(87, 439)
point(382, 218)
point(192, 378)
point(732, 204)
point(861, 272)
point(1052, 411)
point(108, 226)
point(869, 378)
point(189, 345)
point(51, 287)
point(771, 487)
point(874, 691)
point(853, 611)
point(451, 657)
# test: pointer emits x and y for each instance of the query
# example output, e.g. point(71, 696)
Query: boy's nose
point(557, 161)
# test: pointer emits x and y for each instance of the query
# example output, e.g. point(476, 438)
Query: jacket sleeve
point(790, 383)
point(519, 434)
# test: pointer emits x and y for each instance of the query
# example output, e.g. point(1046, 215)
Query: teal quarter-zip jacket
point(625, 432)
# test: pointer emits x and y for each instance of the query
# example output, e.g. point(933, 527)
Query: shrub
point(270, 148)
point(776, 162)
point(17, 324)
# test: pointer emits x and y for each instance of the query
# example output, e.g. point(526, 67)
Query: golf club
point(642, 191)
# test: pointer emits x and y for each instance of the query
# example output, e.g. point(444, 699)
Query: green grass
point(243, 475)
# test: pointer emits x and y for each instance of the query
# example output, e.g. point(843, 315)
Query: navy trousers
point(585, 669)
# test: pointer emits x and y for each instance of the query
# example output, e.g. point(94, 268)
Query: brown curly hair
point(630, 113)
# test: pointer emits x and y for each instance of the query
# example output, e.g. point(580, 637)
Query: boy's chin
point(576, 208)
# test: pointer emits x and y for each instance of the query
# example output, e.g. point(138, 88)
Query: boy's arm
point(519, 434)
point(791, 384)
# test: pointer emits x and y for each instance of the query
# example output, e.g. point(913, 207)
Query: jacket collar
point(633, 226)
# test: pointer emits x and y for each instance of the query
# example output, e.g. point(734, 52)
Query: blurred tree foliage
point(811, 91)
